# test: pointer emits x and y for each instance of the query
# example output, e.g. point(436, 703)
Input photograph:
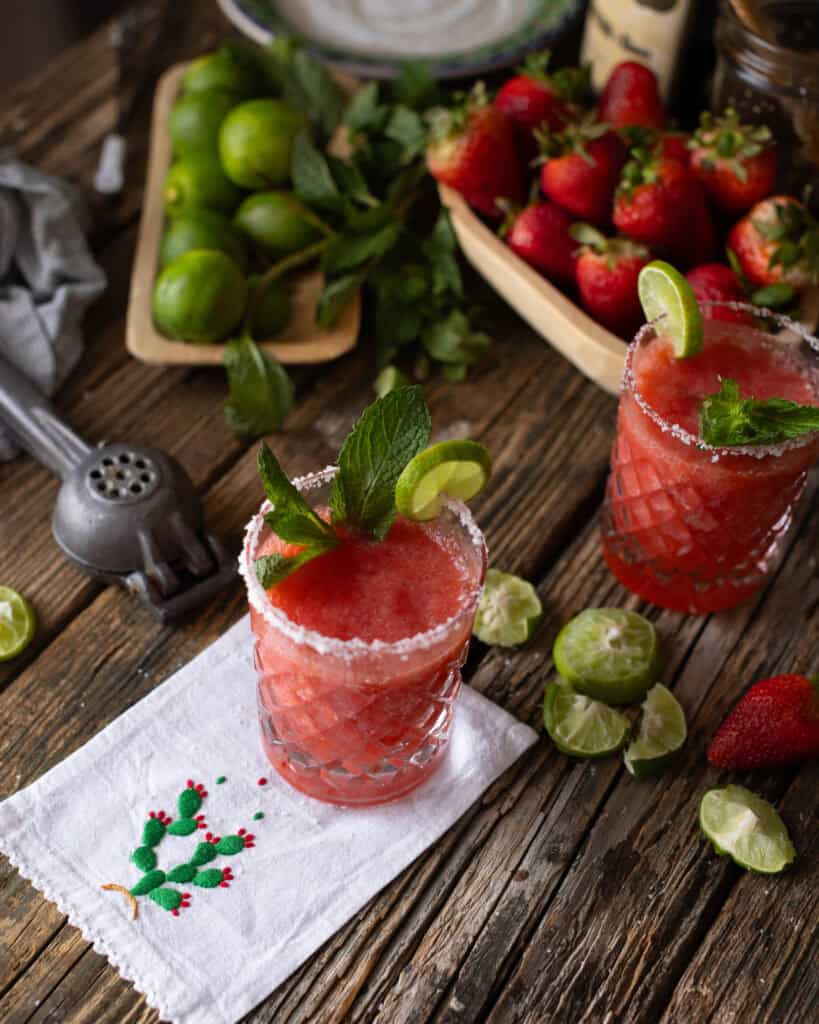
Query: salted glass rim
point(355, 647)
point(684, 436)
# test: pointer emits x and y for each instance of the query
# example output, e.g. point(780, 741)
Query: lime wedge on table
point(610, 654)
point(665, 292)
point(746, 828)
point(509, 610)
point(455, 469)
point(661, 733)
point(580, 726)
point(16, 623)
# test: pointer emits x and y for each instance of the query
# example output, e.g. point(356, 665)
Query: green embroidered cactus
point(144, 857)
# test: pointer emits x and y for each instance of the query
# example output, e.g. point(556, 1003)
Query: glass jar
point(775, 81)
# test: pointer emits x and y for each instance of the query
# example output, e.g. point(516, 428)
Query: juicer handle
point(35, 424)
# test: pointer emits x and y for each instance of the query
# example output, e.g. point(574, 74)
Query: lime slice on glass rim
point(455, 469)
point(661, 734)
point(509, 610)
point(17, 623)
point(746, 828)
point(580, 726)
point(609, 654)
point(665, 292)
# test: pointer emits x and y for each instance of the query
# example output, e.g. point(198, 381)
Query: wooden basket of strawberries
point(610, 187)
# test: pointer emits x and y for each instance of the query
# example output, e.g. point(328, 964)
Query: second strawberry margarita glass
point(688, 526)
point(354, 721)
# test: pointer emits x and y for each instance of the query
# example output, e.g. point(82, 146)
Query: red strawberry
point(539, 234)
point(473, 150)
point(658, 202)
point(631, 96)
point(533, 98)
point(715, 282)
point(735, 162)
point(774, 724)
point(582, 169)
point(777, 241)
point(675, 145)
point(606, 274)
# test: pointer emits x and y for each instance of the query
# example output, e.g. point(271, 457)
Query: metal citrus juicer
point(125, 514)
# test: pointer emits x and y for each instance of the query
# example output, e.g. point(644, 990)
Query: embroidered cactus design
point(159, 824)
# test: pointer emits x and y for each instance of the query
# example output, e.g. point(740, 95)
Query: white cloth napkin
point(310, 867)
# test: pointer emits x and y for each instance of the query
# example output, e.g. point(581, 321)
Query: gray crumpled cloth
point(48, 277)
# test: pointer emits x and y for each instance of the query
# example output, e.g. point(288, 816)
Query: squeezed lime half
point(580, 726)
point(665, 292)
point(746, 828)
point(660, 735)
point(509, 610)
point(454, 469)
point(17, 623)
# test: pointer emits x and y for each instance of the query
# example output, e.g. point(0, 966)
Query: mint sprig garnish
point(292, 520)
point(727, 419)
point(389, 433)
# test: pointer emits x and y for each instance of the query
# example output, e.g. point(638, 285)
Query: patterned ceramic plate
point(371, 38)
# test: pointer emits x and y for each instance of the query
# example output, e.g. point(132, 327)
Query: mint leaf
point(364, 113)
point(345, 252)
point(388, 434)
point(415, 86)
point(407, 128)
point(440, 248)
point(261, 392)
point(452, 340)
point(313, 181)
point(335, 296)
point(272, 569)
point(291, 518)
point(311, 89)
point(727, 419)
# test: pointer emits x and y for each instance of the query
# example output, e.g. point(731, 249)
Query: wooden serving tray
point(301, 341)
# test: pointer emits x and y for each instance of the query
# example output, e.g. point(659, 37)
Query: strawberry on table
point(777, 242)
point(735, 162)
point(539, 234)
point(716, 282)
point(533, 98)
point(606, 275)
point(775, 723)
point(473, 150)
point(631, 96)
point(581, 170)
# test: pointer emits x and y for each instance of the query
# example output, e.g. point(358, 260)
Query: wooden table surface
point(569, 892)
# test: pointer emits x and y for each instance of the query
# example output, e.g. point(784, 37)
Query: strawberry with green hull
point(473, 150)
point(716, 282)
point(631, 97)
point(777, 242)
point(736, 163)
point(540, 235)
point(776, 723)
point(581, 169)
point(606, 274)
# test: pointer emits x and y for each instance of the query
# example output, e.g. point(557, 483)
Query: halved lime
point(743, 826)
point(580, 726)
point(610, 654)
point(665, 292)
point(661, 733)
point(17, 623)
point(509, 610)
point(455, 469)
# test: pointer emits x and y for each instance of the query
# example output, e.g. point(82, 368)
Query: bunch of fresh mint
point(389, 433)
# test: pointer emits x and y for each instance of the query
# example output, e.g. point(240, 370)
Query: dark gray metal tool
point(125, 514)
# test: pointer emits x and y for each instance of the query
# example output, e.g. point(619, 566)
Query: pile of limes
point(230, 213)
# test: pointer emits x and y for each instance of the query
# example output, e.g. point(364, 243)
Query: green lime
point(17, 623)
point(665, 292)
point(201, 229)
point(194, 122)
point(276, 222)
point(272, 310)
point(580, 726)
point(610, 654)
point(509, 610)
point(255, 141)
point(223, 69)
point(455, 469)
point(200, 297)
point(660, 736)
point(743, 826)
point(199, 181)
point(390, 379)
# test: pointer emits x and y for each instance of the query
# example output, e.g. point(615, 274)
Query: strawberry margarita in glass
point(359, 652)
point(689, 526)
